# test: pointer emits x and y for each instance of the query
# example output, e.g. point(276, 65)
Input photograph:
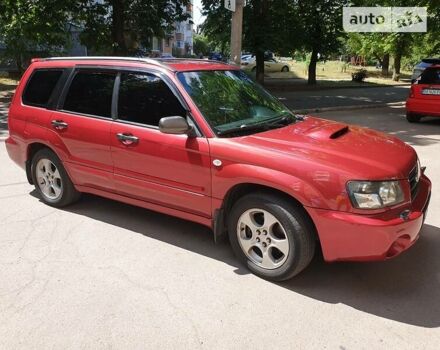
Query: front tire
point(413, 118)
point(285, 69)
point(272, 236)
point(51, 180)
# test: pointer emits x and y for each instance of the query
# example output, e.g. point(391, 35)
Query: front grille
point(413, 178)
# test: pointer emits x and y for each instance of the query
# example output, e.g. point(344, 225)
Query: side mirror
point(175, 125)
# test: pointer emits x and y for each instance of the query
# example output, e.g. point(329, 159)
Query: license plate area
point(435, 92)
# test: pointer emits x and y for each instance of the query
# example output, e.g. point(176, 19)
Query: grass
point(336, 71)
point(7, 84)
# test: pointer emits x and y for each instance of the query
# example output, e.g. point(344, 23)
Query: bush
point(359, 76)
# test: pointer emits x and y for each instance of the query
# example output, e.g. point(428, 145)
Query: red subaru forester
point(201, 141)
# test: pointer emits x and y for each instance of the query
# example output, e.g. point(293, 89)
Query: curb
point(347, 108)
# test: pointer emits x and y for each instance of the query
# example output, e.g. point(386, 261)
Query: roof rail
point(104, 58)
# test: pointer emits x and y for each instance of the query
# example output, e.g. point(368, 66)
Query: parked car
point(421, 66)
point(424, 96)
point(201, 141)
point(216, 56)
point(271, 65)
point(167, 55)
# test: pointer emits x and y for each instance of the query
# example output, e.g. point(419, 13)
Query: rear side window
point(430, 76)
point(40, 87)
point(145, 99)
point(91, 93)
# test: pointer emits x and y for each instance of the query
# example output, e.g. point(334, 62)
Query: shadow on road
point(405, 289)
point(391, 120)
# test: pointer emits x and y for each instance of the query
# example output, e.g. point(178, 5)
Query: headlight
point(374, 194)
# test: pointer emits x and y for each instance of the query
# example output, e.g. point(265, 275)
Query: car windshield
point(231, 102)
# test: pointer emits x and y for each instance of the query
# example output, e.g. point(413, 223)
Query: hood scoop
point(329, 131)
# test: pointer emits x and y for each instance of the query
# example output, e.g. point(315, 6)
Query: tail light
point(411, 92)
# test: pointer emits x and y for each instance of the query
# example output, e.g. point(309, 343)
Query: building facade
point(180, 41)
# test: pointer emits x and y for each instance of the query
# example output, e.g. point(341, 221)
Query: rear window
point(91, 93)
point(40, 87)
point(430, 76)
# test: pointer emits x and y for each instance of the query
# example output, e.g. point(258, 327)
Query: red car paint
point(311, 161)
point(420, 103)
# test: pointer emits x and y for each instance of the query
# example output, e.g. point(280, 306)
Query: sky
point(198, 19)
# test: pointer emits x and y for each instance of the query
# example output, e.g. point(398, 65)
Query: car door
point(168, 170)
point(82, 124)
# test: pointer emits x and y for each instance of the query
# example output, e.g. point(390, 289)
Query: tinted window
point(430, 76)
point(91, 93)
point(145, 99)
point(40, 87)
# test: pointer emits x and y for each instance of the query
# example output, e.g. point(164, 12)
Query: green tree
point(30, 27)
point(267, 26)
point(321, 28)
point(201, 45)
point(123, 25)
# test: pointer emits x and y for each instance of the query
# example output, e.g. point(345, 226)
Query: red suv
point(424, 96)
point(201, 141)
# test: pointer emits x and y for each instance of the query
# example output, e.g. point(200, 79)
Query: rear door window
point(145, 99)
point(90, 93)
point(40, 87)
point(430, 76)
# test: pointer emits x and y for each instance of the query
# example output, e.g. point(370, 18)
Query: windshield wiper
point(268, 124)
point(242, 128)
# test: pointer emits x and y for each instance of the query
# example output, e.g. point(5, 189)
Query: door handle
point(127, 139)
point(59, 124)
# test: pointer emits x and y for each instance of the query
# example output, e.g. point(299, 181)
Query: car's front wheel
point(285, 69)
point(51, 180)
point(274, 237)
point(413, 118)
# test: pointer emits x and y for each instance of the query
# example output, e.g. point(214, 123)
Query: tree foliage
point(122, 26)
point(320, 24)
point(31, 27)
point(268, 25)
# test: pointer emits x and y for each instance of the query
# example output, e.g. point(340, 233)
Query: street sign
point(230, 5)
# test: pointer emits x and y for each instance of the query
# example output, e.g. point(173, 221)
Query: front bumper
point(354, 237)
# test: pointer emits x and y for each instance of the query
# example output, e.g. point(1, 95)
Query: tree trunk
point(385, 64)
point(397, 63)
point(312, 68)
point(118, 19)
point(260, 66)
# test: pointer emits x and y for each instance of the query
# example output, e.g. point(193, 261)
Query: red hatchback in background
point(424, 97)
point(201, 141)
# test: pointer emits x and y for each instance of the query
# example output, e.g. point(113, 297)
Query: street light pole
point(237, 31)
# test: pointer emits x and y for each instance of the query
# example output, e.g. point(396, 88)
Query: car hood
point(360, 152)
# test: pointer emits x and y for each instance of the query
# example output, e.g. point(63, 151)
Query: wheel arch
point(32, 149)
point(238, 191)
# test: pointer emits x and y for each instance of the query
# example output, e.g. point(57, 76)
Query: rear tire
point(272, 236)
point(51, 180)
point(413, 118)
point(285, 69)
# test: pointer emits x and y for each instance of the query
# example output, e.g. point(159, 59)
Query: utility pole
point(237, 31)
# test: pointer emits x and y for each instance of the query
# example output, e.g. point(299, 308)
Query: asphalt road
point(101, 274)
point(308, 100)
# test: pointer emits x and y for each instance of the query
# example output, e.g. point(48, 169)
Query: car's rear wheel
point(285, 69)
point(413, 118)
point(51, 180)
point(272, 236)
